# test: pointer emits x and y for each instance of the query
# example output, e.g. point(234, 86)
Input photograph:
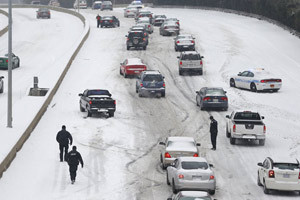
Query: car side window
point(85, 93)
point(176, 163)
point(245, 73)
point(250, 74)
point(265, 164)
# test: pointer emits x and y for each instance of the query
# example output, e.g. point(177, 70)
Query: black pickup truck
point(97, 101)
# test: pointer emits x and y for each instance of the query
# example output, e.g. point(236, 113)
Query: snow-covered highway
point(121, 154)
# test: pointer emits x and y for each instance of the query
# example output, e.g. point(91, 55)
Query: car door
point(248, 80)
point(239, 81)
point(201, 96)
point(265, 169)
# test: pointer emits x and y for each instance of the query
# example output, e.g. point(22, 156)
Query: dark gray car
point(169, 28)
point(151, 82)
point(212, 98)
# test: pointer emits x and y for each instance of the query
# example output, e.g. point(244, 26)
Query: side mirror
point(163, 77)
point(162, 143)
point(178, 56)
point(80, 94)
point(198, 144)
point(126, 35)
point(1, 76)
point(109, 95)
point(225, 92)
point(227, 116)
point(239, 73)
point(211, 165)
point(197, 92)
point(262, 117)
point(121, 63)
point(202, 56)
point(260, 164)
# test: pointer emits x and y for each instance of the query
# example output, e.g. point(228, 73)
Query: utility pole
point(9, 95)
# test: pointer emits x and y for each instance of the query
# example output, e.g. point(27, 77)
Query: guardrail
point(13, 152)
point(3, 31)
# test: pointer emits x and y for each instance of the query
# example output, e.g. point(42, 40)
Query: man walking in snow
point(63, 137)
point(98, 20)
point(213, 132)
point(74, 158)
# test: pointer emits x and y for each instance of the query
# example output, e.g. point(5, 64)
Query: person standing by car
point(63, 137)
point(213, 132)
point(98, 18)
point(73, 159)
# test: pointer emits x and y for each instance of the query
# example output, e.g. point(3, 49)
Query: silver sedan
point(191, 173)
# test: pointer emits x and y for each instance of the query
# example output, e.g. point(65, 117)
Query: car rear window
point(191, 57)
point(247, 116)
point(136, 34)
point(107, 18)
point(98, 92)
point(194, 165)
point(195, 198)
point(290, 166)
point(180, 143)
point(150, 77)
point(214, 92)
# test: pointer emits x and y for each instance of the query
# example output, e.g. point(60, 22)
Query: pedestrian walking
point(64, 138)
point(213, 132)
point(98, 18)
point(74, 158)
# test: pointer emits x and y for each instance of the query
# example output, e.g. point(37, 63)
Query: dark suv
point(136, 39)
point(109, 21)
point(151, 82)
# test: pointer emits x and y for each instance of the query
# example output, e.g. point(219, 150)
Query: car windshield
point(191, 57)
point(215, 91)
point(194, 165)
point(290, 166)
point(153, 77)
point(195, 198)
point(98, 92)
point(43, 9)
point(247, 116)
point(106, 18)
point(135, 34)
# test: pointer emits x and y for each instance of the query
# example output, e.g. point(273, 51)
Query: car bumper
point(284, 186)
point(171, 32)
point(196, 185)
point(248, 136)
point(190, 69)
point(268, 86)
point(185, 47)
point(3, 66)
point(223, 105)
point(133, 72)
point(147, 91)
point(137, 45)
point(102, 110)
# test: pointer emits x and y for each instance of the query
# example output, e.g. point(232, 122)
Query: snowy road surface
point(121, 154)
point(3, 21)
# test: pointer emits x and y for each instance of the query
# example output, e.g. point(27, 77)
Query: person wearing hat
point(98, 18)
point(73, 159)
point(213, 132)
point(63, 137)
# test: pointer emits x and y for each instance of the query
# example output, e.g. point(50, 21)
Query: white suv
point(279, 174)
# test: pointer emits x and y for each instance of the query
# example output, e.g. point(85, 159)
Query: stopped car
point(159, 20)
point(281, 174)
point(144, 13)
point(177, 146)
point(132, 67)
point(184, 43)
point(256, 80)
point(212, 98)
point(137, 4)
point(54, 3)
point(130, 11)
point(136, 39)
point(43, 13)
point(4, 61)
point(175, 20)
point(191, 195)
point(1, 84)
point(106, 5)
point(82, 4)
point(190, 61)
point(169, 28)
point(191, 173)
point(245, 125)
point(96, 101)
point(146, 21)
point(109, 21)
point(151, 83)
point(141, 27)
point(96, 5)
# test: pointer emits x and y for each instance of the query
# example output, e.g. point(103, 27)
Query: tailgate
point(103, 103)
point(191, 63)
point(249, 127)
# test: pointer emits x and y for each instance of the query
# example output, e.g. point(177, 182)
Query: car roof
point(194, 193)
point(151, 72)
point(196, 159)
point(283, 159)
point(189, 52)
point(180, 138)
point(218, 88)
point(137, 31)
point(185, 35)
point(107, 16)
point(135, 61)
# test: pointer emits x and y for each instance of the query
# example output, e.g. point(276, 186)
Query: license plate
point(136, 71)
point(215, 100)
point(197, 177)
point(286, 176)
point(249, 137)
point(185, 46)
point(102, 110)
point(272, 86)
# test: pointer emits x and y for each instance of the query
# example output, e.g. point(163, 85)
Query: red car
point(132, 67)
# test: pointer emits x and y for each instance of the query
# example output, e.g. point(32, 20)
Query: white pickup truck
point(245, 125)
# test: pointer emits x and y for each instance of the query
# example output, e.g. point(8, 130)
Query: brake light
point(101, 21)
point(224, 98)
point(177, 23)
point(6, 61)
point(271, 174)
point(265, 128)
point(90, 102)
point(234, 128)
point(166, 27)
point(145, 34)
point(164, 85)
point(177, 42)
point(180, 63)
point(149, 26)
point(167, 155)
point(206, 98)
point(211, 177)
point(263, 81)
point(278, 80)
point(180, 176)
point(110, 21)
point(195, 155)
point(144, 39)
point(201, 63)
point(141, 84)
point(193, 41)
point(128, 11)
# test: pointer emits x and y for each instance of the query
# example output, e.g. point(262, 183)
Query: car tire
point(261, 142)
point(232, 140)
point(201, 107)
point(212, 192)
point(163, 94)
point(121, 72)
point(128, 47)
point(168, 182)
point(144, 47)
point(176, 49)
point(101, 26)
point(197, 102)
point(81, 108)
point(1, 89)
point(258, 181)
point(227, 132)
point(173, 187)
point(111, 114)
point(253, 87)
point(140, 95)
point(136, 90)
point(125, 75)
point(266, 190)
point(89, 114)
point(180, 72)
point(200, 72)
point(232, 83)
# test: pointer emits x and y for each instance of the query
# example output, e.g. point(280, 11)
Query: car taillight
point(49, 13)
point(145, 34)
point(180, 63)
point(193, 41)
point(166, 27)
point(263, 81)
point(110, 21)
point(127, 39)
point(101, 21)
point(278, 80)
point(211, 177)
point(149, 26)
point(201, 63)
point(167, 155)
point(271, 174)
point(195, 155)
point(224, 98)
point(180, 176)
point(128, 11)
point(177, 23)
point(90, 102)
point(265, 128)
point(144, 39)
point(164, 85)
point(234, 128)
point(299, 176)
point(6, 61)
point(141, 84)
point(177, 42)
point(206, 98)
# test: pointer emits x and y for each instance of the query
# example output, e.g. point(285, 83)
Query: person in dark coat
point(63, 137)
point(74, 158)
point(213, 132)
point(98, 18)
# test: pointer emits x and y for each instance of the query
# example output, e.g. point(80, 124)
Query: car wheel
point(111, 114)
point(81, 108)
point(258, 180)
point(197, 102)
point(180, 72)
point(227, 133)
point(101, 26)
point(212, 192)
point(275, 90)
point(140, 95)
point(144, 47)
point(128, 47)
point(266, 190)
point(176, 48)
point(1, 89)
point(125, 75)
point(174, 187)
point(168, 182)
point(262, 142)
point(136, 90)
point(200, 72)
point(163, 94)
point(89, 114)
point(232, 83)
point(201, 107)
point(121, 72)
point(232, 140)
point(253, 87)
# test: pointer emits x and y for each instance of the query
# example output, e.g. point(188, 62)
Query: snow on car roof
point(178, 138)
point(189, 52)
point(196, 159)
point(151, 72)
point(194, 194)
point(134, 61)
point(283, 159)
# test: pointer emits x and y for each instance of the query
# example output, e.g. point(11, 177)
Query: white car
point(146, 20)
point(191, 173)
point(1, 84)
point(256, 80)
point(130, 11)
point(82, 4)
point(178, 146)
point(279, 174)
point(191, 195)
point(137, 4)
